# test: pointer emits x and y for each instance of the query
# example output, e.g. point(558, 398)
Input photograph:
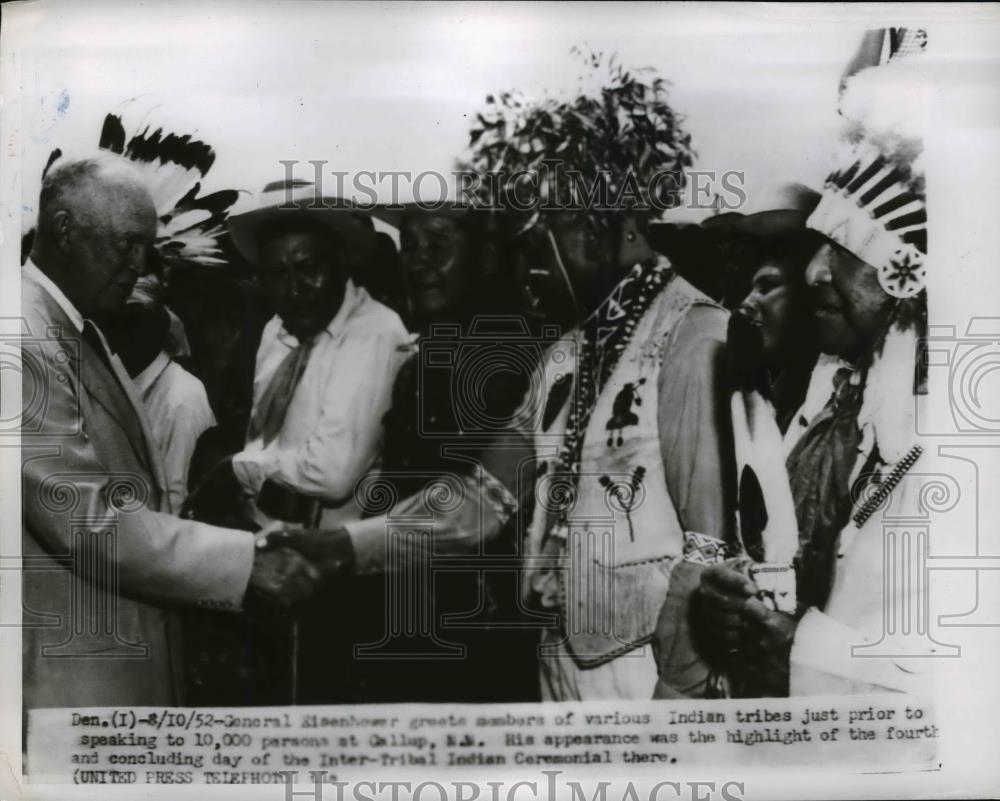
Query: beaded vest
point(606, 529)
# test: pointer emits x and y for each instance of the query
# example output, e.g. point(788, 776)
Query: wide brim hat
point(672, 238)
point(779, 209)
point(280, 199)
point(439, 196)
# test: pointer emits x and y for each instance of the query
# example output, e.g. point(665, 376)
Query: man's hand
point(280, 579)
point(329, 552)
point(717, 608)
point(766, 647)
point(484, 509)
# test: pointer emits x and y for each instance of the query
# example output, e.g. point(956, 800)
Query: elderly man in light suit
point(104, 560)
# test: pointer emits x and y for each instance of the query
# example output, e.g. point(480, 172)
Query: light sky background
point(394, 86)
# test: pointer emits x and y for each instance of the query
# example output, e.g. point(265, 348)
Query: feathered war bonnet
point(873, 204)
point(172, 167)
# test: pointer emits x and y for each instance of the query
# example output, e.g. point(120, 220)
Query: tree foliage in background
point(616, 141)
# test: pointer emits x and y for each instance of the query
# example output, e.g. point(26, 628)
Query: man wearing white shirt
point(175, 401)
point(323, 381)
point(325, 366)
point(179, 413)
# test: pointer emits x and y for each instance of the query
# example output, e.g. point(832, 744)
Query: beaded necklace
point(605, 335)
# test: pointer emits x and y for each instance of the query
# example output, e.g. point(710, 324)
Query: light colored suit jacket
point(104, 561)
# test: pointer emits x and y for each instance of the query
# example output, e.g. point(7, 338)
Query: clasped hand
point(295, 563)
point(291, 565)
point(737, 629)
point(281, 578)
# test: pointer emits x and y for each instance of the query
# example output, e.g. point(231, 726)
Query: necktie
point(269, 416)
point(115, 392)
point(94, 339)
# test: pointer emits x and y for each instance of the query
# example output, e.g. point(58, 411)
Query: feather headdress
point(874, 205)
point(173, 167)
point(874, 202)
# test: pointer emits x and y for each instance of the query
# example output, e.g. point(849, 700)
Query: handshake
point(292, 565)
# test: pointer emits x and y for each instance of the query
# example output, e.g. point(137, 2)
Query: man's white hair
point(77, 176)
point(71, 174)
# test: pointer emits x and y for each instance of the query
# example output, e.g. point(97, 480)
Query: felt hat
point(280, 199)
point(781, 208)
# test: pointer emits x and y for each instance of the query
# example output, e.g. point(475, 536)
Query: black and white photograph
point(499, 401)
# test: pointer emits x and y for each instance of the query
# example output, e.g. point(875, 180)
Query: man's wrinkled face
point(850, 307)
point(435, 257)
point(301, 272)
point(110, 238)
